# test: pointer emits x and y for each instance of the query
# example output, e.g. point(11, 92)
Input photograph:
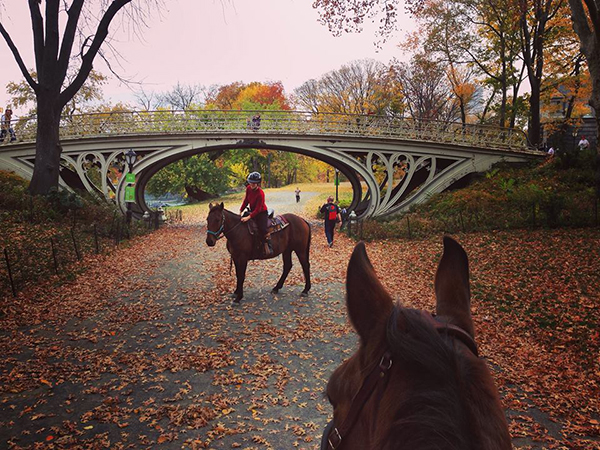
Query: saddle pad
point(276, 224)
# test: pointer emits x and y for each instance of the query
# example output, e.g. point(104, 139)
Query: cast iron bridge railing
point(226, 122)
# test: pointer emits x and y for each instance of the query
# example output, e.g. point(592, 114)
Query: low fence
point(60, 253)
point(528, 216)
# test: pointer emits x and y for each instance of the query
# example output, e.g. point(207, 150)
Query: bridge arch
point(349, 167)
point(400, 161)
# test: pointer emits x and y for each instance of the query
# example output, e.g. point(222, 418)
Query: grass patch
point(549, 194)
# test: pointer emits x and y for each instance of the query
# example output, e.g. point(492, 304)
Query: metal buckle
point(386, 362)
point(339, 439)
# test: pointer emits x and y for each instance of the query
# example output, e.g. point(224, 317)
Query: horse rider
point(255, 199)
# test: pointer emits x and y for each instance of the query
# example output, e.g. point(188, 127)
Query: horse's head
point(415, 381)
point(215, 222)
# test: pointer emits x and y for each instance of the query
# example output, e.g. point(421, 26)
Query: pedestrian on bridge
point(332, 216)
point(5, 126)
point(297, 191)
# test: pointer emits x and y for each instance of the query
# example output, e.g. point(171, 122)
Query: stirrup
point(267, 248)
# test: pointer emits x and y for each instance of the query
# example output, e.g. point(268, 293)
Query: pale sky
point(213, 42)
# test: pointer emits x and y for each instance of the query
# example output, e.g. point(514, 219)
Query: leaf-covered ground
point(145, 348)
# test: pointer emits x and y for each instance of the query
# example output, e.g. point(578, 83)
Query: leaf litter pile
point(145, 348)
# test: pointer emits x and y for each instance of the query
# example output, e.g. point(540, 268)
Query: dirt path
point(285, 202)
point(162, 356)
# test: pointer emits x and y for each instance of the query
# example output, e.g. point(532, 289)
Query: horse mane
point(440, 409)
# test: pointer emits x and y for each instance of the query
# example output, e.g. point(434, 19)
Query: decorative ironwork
point(391, 163)
point(281, 123)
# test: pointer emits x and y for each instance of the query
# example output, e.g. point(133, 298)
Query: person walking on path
point(5, 125)
point(255, 199)
point(583, 143)
point(297, 191)
point(332, 214)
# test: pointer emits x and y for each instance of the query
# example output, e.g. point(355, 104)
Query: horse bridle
point(220, 230)
point(217, 233)
point(332, 435)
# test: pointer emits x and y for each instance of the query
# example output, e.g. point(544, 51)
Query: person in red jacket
point(255, 199)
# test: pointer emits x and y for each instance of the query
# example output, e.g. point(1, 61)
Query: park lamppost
point(337, 183)
point(130, 158)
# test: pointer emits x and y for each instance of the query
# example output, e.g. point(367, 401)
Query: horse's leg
point(303, 257)
point(240, 273)
point(287, 266)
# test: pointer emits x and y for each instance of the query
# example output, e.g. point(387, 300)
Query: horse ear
point(369, 305)
point(210, 205)
point(452, 291)
point(222, 206)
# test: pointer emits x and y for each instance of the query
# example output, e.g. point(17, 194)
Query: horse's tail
point(309, 237)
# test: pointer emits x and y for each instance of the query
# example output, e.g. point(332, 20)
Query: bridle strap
point(452, 330)
point(220, 230)
point(378, 374)
point(217, 233)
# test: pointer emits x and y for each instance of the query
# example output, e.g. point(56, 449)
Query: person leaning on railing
point(5, 126)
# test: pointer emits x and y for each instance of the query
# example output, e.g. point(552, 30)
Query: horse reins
point(333, 436)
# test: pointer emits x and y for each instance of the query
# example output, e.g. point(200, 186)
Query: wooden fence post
point(408, 227)
point(31, 208)
point(10, 277)
point(75, 245)
point(118, 232)
point(96, 239)
point(54, 256)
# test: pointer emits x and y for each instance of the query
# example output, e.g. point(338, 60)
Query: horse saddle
point(275, 224)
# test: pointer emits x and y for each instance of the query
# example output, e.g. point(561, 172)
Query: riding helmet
point(254, 177)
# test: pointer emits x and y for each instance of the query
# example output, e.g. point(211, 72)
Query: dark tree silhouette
point(87, 25)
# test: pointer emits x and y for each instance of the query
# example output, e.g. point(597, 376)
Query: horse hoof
point(275, 291)
point(304, 294)
point(236, 301)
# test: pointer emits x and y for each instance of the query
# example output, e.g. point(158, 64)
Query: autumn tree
point(223, 97)
point(359, 87)
point(566, 87)
point(58, 49)
point(537, 23)
point(146, 100)
point(200, 177)
point(425, 89)
point(478, 38)
point(183, 96)
point(22, 94)
point(586, 22)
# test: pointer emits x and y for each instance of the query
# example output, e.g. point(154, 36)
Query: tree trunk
point(47, 148)
point(198, 194)
point(590, 43)
point(534, 130)
point(595, 104)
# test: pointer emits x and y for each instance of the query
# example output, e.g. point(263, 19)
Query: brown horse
point(415, 381)
point(240, 244)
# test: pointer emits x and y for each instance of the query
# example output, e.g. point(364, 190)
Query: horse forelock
point(437, 408)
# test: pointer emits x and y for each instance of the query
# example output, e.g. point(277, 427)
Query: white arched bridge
point(391, 163)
